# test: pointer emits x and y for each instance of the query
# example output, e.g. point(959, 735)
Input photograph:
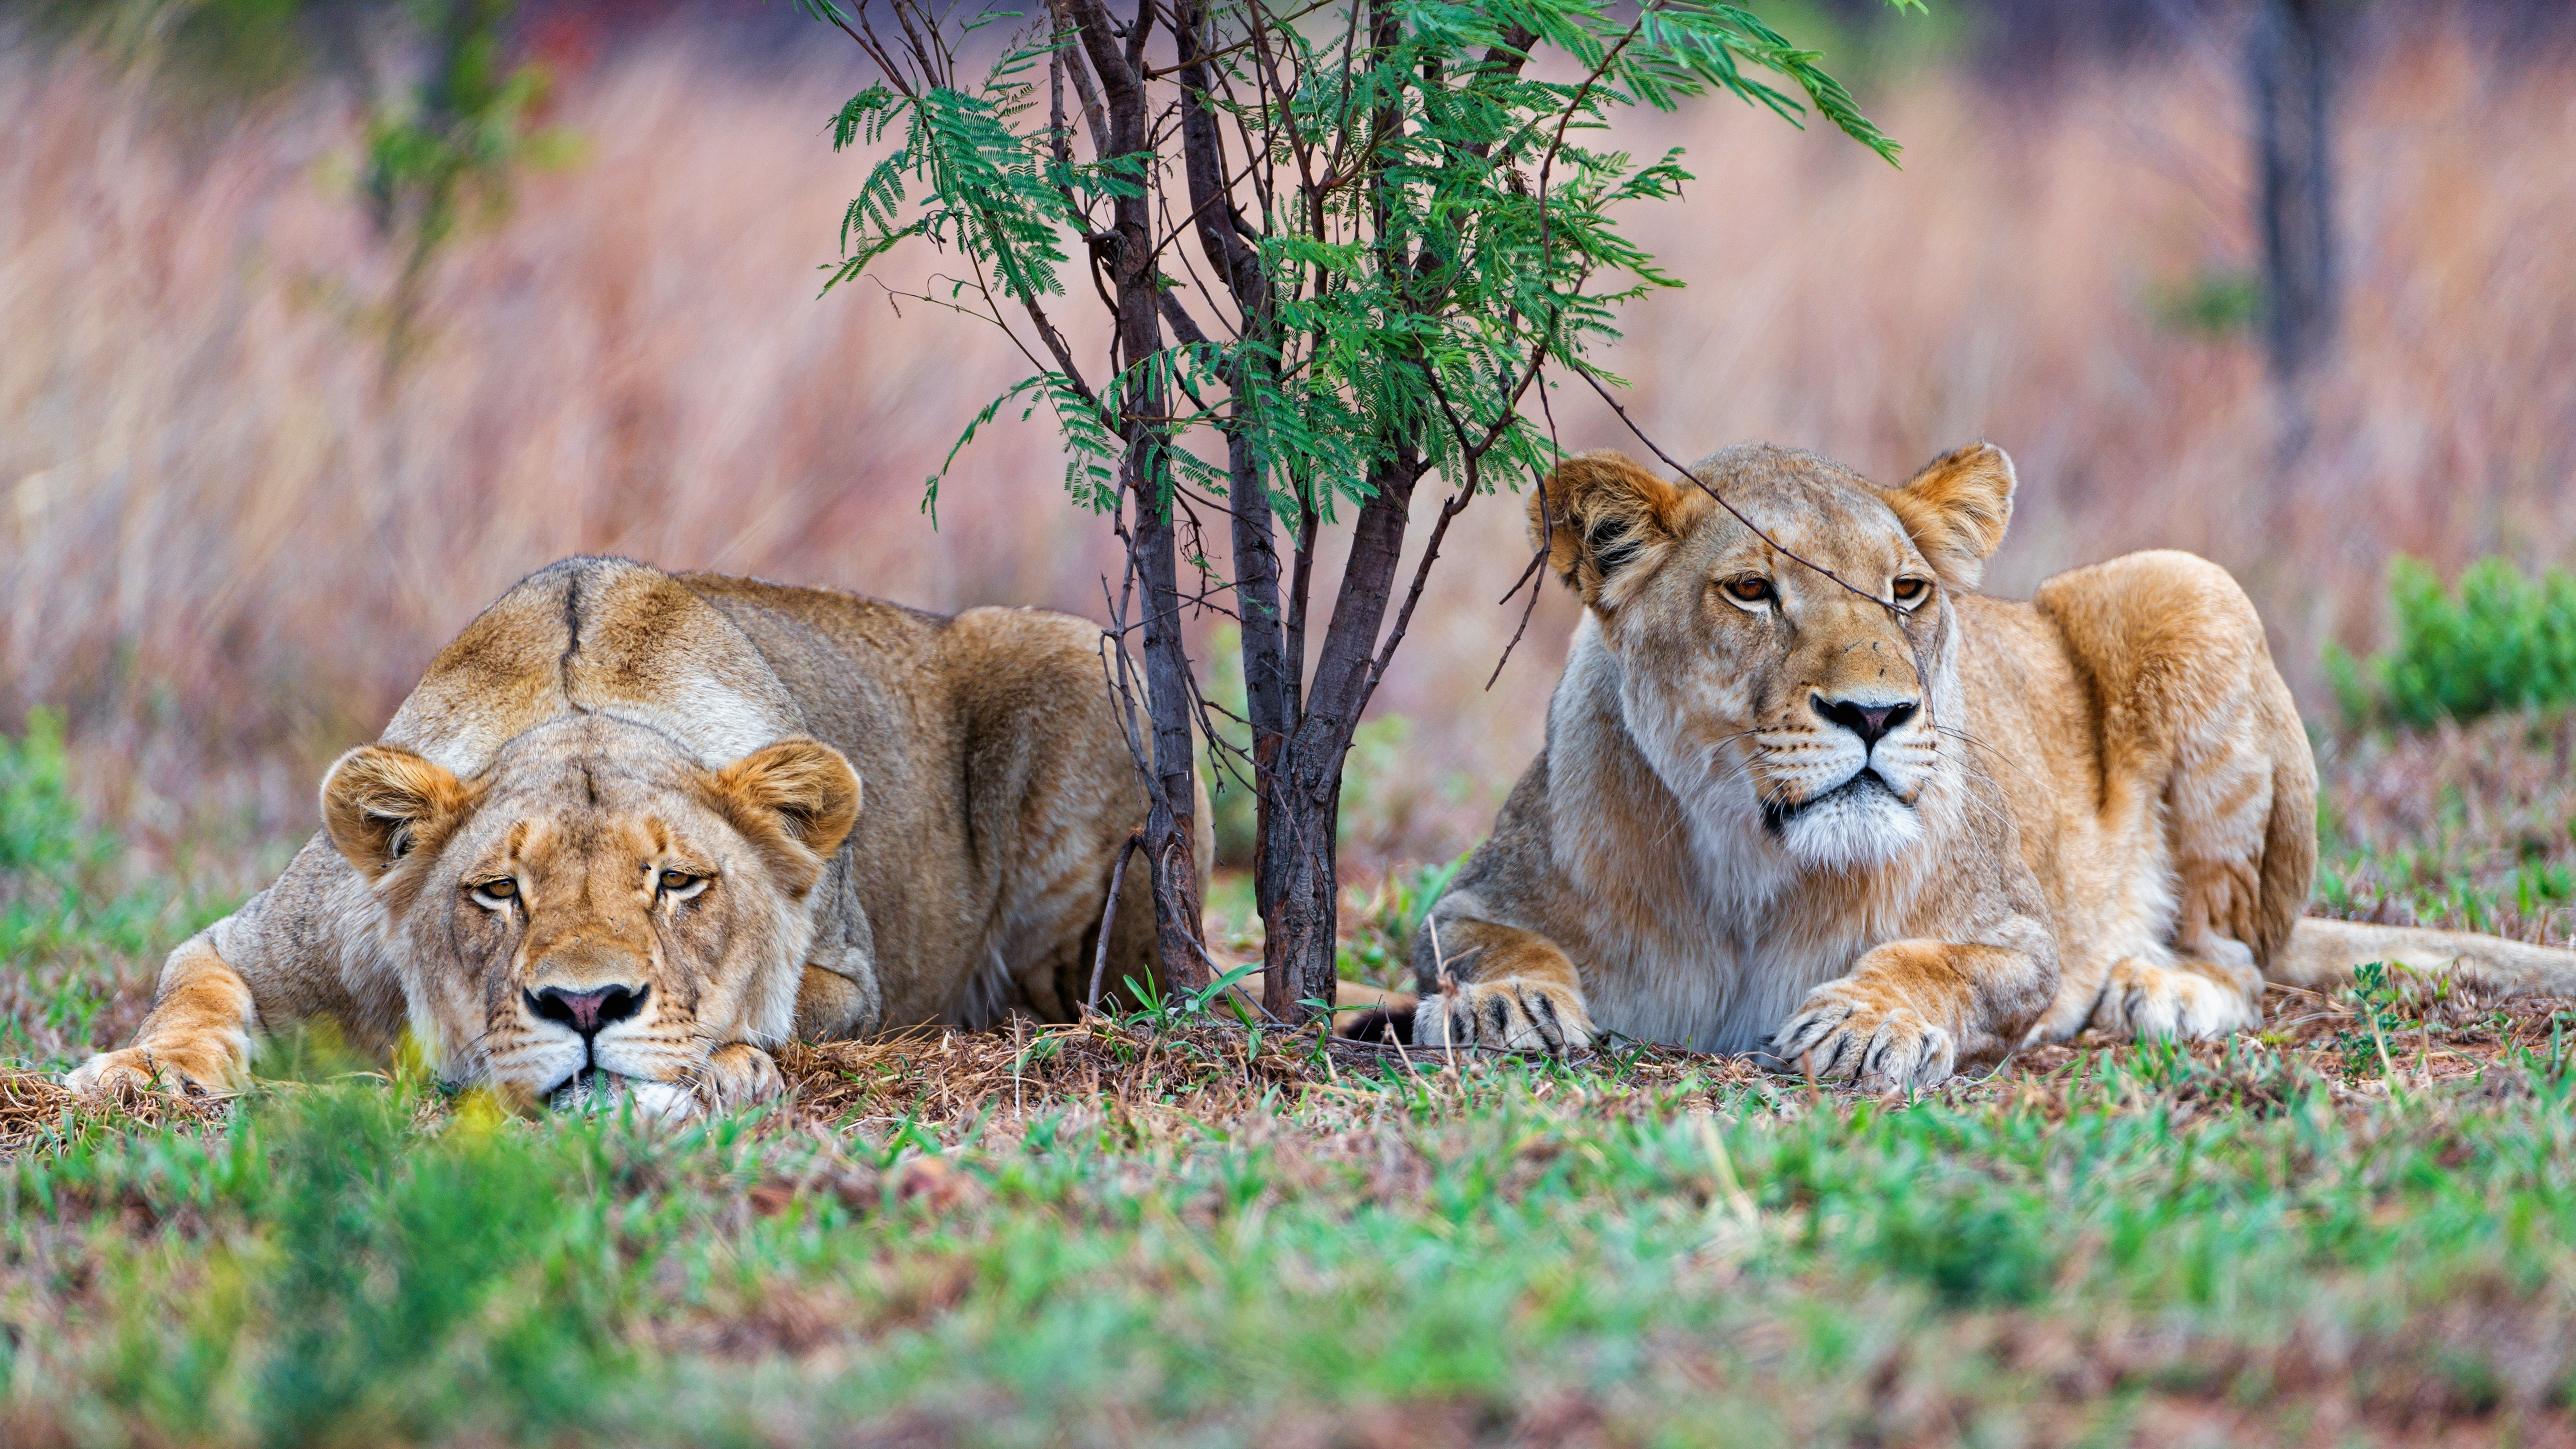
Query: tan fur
point(870, 817)
point(1881, 838)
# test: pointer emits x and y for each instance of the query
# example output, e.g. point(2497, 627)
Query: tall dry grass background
point(227, 546)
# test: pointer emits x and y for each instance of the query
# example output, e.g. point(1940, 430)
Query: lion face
point(1791, 680)
point(594, 900)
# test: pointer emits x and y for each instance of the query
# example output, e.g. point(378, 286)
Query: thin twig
point(1677, 466)
point(1108, 919)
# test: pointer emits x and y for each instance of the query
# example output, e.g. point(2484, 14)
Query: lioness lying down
point(620, 827)
point(1879, 823)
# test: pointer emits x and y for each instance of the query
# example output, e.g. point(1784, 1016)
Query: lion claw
point(1839, 1036)
point(1516, 1014)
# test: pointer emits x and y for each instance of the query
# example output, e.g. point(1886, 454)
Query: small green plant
point(2219, 302)
point(412, 1281)
point(2501, 640)
point(2365, 1046)
point(1386, 922)
point(1968, 1247)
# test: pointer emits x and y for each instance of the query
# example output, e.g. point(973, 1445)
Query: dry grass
point(2467, 826)
point(1195, 1075)
point(229, 550)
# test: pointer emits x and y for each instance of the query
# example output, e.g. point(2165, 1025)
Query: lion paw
point(1516, 1014)
point(735, 1076)
point(112, 1073)
point(140, 1070)
point(668, 1101)
point(1843, 1033)
point(2144, 1002)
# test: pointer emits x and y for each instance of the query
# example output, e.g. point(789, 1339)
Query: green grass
point(2231, 1232)
point(74, 932)
point(2466, 826)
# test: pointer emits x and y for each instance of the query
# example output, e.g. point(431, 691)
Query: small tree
point(1403, 215)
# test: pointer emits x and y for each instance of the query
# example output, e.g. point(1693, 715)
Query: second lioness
point(650, 826)
point(1805, 789)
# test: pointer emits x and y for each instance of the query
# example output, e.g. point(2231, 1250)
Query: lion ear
point(796, 800)
point(1606, 524)
point(1957, 509)
point(380, 804)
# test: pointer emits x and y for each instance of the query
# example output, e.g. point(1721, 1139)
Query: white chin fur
point(1851, 829)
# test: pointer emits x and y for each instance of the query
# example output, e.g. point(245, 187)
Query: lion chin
point(596, 1091)
point(1858, 824)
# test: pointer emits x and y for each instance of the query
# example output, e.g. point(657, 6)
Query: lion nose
point(1869, 721)
point(587, 1011)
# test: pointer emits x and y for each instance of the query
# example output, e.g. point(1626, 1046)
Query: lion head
point(1788, 667)
point(594, 899)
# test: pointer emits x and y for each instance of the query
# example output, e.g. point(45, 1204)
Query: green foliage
point(1970, 1248)
point(2500, 640)
point(1466, 239)
point(382, 1257)
point(217, 51)
point(446, 150)
point(41, 830)
point(2220, 302)
point(2365, 1046)
point(376, 1285)
point(1385, 923)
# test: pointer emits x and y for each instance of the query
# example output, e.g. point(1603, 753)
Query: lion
point(1806, 793)
point(637, 829)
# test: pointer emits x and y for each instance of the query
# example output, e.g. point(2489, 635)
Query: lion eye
point(1751, 589)
point(496, 894)
point(1910, 591)
point(679, 885)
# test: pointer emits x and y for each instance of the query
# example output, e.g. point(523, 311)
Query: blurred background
point(282, 403)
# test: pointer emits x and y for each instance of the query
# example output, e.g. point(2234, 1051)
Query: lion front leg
point(198, 1036)
point(1519, 993)
point(1911, 1011)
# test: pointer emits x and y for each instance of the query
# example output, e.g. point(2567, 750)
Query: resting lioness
point(1842, 806)
point(618, 827)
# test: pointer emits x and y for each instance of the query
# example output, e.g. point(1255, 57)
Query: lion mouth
point(1779, 815)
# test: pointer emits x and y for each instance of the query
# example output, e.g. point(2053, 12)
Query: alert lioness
point(652, 825)
point(1805, 789)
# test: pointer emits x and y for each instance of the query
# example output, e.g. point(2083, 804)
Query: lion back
point(2197, 731)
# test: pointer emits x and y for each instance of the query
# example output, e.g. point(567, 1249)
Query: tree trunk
point(1286, 829)
point(1297, 840)
point(2294, 155)
point(1171, 823)
point(1297, 871)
